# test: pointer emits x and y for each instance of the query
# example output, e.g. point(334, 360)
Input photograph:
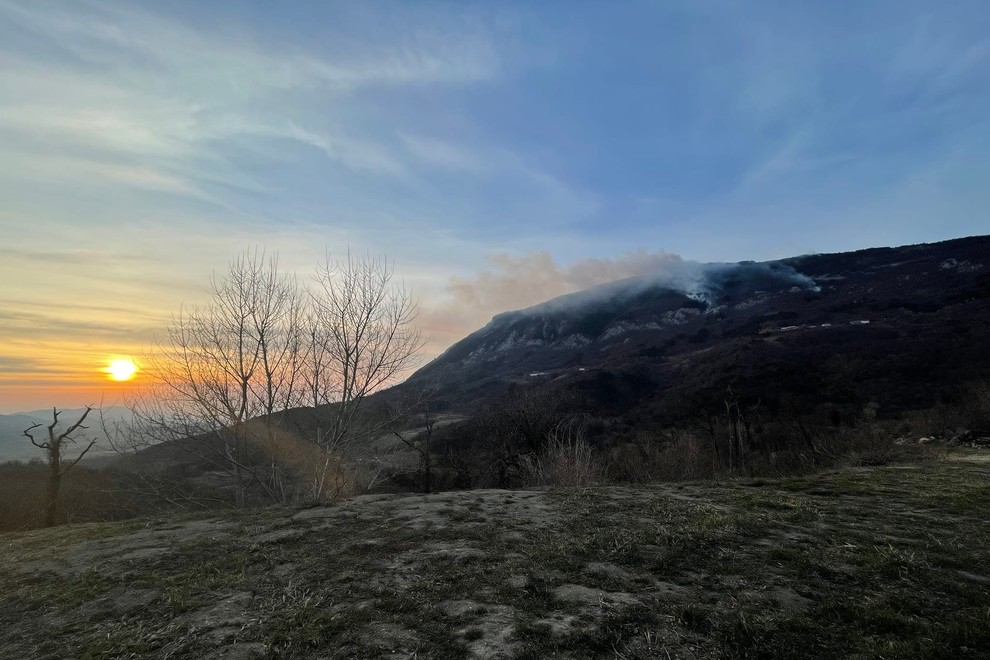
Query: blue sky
point(475, 143)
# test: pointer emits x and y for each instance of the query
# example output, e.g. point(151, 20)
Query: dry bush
point(305, 472)
point(679, 455)
point(879, 446)
point(940, 420)
point(675, 456)
point(977, 405)
point(300, 470)
point(566, 459)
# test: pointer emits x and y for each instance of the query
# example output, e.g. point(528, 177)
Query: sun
point(121, 369)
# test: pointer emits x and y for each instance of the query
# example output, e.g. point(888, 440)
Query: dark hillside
point(900, 327)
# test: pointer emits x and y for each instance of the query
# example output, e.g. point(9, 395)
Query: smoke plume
point(537, 282)
point(510, 283)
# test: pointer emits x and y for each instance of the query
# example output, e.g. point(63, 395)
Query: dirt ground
point(881, 562)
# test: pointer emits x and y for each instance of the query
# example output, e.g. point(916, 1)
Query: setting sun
point(121, 369)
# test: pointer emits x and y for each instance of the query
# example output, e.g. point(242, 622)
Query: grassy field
point(884, 562)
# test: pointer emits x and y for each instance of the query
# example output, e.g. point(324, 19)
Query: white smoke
point(510, 283)
point(535, 283)
point(702, 282)
point(517, 282)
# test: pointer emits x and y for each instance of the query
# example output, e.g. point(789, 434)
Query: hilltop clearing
point(859, 562)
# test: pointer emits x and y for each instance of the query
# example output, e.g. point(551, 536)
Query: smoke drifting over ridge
point(523, 281)
point(704, 282)
point(534, 283)
point(511, 283)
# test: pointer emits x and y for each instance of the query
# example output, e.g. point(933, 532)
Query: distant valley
point(14, 446)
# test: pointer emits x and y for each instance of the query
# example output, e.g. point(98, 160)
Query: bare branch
point(78, 458)
point(75, 427)
point(27, 433)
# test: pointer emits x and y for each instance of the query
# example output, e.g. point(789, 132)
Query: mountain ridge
point(665, 324)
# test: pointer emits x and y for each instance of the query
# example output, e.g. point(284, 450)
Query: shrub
point(676, 457)
point(566, 459)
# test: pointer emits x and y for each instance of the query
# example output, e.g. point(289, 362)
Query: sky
point(499, 153)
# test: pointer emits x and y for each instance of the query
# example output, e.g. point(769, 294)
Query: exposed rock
point(560, 624)
point(518, 581)
point(492, 634)
point(610, 571)
point(279, 536)
point(790, 601)
point(586, 596)
point(459, 608)
point(230, 612)
point(389, 637)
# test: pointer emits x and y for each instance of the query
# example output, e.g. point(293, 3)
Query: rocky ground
point(863, 562)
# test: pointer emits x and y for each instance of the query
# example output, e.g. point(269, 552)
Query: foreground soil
point(864, 562)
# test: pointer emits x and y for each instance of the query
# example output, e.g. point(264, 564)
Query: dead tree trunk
point(53, 453)
point(735, 442)
point(54, 486)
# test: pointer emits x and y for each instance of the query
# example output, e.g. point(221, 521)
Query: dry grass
point(87, 496)
point(857, 562)
point(565, 460)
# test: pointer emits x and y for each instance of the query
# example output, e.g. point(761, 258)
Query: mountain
point(15, 447)
point(899, 326)
point(110, 414)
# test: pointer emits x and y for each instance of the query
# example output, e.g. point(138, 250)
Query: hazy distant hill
point(14, 446)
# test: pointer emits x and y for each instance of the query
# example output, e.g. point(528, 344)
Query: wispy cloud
point(442, 153)
point(128, 83)
point(144, 143)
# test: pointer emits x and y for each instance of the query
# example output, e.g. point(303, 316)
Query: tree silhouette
point(53, 448)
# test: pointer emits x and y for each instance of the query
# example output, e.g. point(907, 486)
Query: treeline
point(96, 494)
point(526, 437)
point(534, 438)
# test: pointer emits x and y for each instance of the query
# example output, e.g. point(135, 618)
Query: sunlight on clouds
point(144, 144)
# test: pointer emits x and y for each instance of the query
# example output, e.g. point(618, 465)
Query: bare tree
point(512, 428)
point(54, 447)
point(360, 337)
point(415, 428)
point(740, 422)
point(226, 371)
point(228, 375)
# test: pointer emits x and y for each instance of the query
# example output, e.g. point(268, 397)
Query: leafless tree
point(54, 447)
point(225, 372)
point(415, 427)
point(230, 376)
point(740, 421)
point(511, 429)
point(360, 336)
